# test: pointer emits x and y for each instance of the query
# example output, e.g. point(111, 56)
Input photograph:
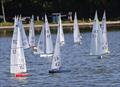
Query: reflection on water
point(85, 70)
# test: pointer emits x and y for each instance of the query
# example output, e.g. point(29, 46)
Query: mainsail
point(76, 32)
point(24, 37)
point(104, 33)
point(32, 33)
point(62, 40)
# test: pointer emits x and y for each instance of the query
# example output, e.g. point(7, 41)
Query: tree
point(3, 10)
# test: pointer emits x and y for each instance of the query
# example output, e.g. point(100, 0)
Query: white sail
point(76, 32)
point(48, 38)
point(24, 37)
point(56, 61)
point(98, 38)
point(17, 58)
point(45, 44)
point(94, 36)
point(41, 41)
point(32, 33)
point(104, 33)
point(14, 37)
point(62, 40)
point(100, 41)
point(14, 46)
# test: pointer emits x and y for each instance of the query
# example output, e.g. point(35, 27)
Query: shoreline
point(81, 25)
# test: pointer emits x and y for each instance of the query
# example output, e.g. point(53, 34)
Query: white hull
point(46, 55)
point(79, 43)
point(99, 54)
point(62, 43)
point(34, 50)
point(107, 52)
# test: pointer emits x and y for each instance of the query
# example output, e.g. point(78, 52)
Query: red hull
point(21, 75)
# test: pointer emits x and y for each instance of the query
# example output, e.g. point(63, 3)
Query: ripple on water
point(85, 70)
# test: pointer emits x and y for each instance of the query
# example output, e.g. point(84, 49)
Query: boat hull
point(46, 55)
point(54, 71)
point(35, 51)
point(21, 74)
point(58, 71)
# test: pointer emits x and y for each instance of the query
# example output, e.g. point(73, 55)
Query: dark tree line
point(84, 8)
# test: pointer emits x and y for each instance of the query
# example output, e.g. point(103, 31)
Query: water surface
point(85, 70)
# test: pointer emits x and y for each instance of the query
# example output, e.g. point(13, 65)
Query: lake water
point(85, 70)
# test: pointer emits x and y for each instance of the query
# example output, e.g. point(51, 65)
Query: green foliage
point(6, 24)
point(84, 8)
point(38, 22)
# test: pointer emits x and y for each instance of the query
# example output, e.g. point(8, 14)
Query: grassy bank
point(41, 22)
point(85, 26)
point(6, 23)
point(54, 31)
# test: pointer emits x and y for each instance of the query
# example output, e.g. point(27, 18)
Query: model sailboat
point(104, 33)
point(17, 57)
point(97, 39)
point(56, 61)
point(76, 33)
point(24, 37)
point(32, 36)
point(45, 45)
point(32, 33)
point(94, 37)
point(62, 40)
